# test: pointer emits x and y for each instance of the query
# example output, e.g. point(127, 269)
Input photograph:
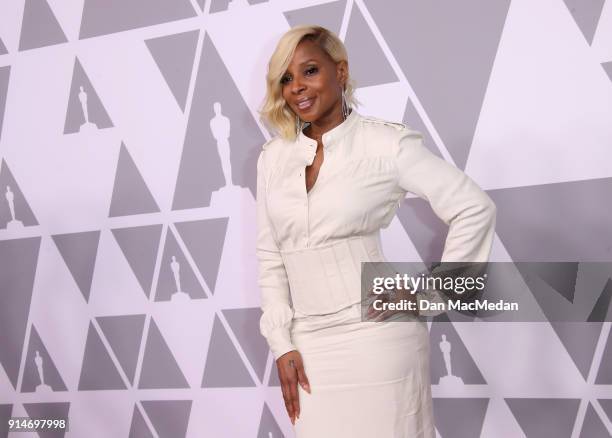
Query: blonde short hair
point(275, 112)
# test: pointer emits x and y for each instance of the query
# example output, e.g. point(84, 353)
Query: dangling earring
point(345, 108)
point(298, 125)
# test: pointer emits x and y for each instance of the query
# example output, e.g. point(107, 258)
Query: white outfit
point(367, 379)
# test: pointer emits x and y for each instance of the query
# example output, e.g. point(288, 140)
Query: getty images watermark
point(493, 291)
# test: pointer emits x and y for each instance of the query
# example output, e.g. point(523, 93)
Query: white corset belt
point(327, 278)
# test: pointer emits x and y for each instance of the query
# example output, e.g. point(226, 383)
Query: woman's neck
point(316, 129)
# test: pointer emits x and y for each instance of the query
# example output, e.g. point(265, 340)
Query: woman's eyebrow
point(302, 63)
point(307, 61)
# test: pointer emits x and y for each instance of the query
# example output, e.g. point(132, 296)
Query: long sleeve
point(454, 197)
point(275, 321)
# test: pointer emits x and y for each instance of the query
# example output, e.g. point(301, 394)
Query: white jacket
point(368, 166)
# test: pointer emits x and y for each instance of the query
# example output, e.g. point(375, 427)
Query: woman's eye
point(309, 71)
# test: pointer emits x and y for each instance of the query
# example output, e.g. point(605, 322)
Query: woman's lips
point(307, 104)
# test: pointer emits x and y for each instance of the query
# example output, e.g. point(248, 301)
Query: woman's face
point(312, 84)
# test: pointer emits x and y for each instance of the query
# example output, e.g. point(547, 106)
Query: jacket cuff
point(279, 341)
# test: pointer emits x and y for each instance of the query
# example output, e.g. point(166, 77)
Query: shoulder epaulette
point(396, 125)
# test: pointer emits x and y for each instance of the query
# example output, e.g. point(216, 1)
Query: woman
point(326, 185)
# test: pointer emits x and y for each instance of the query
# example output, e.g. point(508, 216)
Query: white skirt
point(367, 379)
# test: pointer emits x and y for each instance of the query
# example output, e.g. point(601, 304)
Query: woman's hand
point(291, 373)
point(396, 297)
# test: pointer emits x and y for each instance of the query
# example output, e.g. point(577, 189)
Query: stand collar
point(334, 135)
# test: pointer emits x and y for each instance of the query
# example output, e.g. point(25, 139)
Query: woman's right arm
point(275, 322)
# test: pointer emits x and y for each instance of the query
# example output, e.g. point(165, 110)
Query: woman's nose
point(296, 86)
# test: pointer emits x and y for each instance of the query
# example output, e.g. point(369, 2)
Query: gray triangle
point(329, 15)
point(561, 276)
point(460, 417)
point(593, 427)
point(267, 425)
point(31, 377)
point(360, 40)
point(139, 246)
point(606, 405)
point(187, 280)
point(200, 169)
point(553, 285)
point(39, 28)
point(5, 73)
point(58, 410)
point(130, 193)
point(602, 308)
point(101, 17)
point(159, 367)
point(413, 120)
point(539, 417)
point(586, 14)
point(604, 375)
point(18, 259)
point(454, 62)
point(217, 5)
point(426, 230)
point(6, 412)
point(462, 364)
point(201, 3)
point(174, 56)
point(607, 66)
point(96, 115)
point(170, 418)
point(124, 334)
point(3, 50)
point(245, 325)
point(204, 240)
point(79, 251)
point(580, 340)
point(224, 367)
point(588, 300)
point(22, 213)
point(139, 428)
point(541, 223)
point(98, 371)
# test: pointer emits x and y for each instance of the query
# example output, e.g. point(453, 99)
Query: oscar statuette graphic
point(10, 198)
point(179, 295)
point(42, 387)
point(88, 126)
point(220, 128)
point(449, 380)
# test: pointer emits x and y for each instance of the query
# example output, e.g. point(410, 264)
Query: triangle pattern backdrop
point(5, 73)
point(38, 358)
point(130, 193)
point(40, 27)
point(170, 367)
point(101, 17)
point(15, 212)
point(174, 55)
point(139, 428)
point(79, 251)
point(84, 104)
